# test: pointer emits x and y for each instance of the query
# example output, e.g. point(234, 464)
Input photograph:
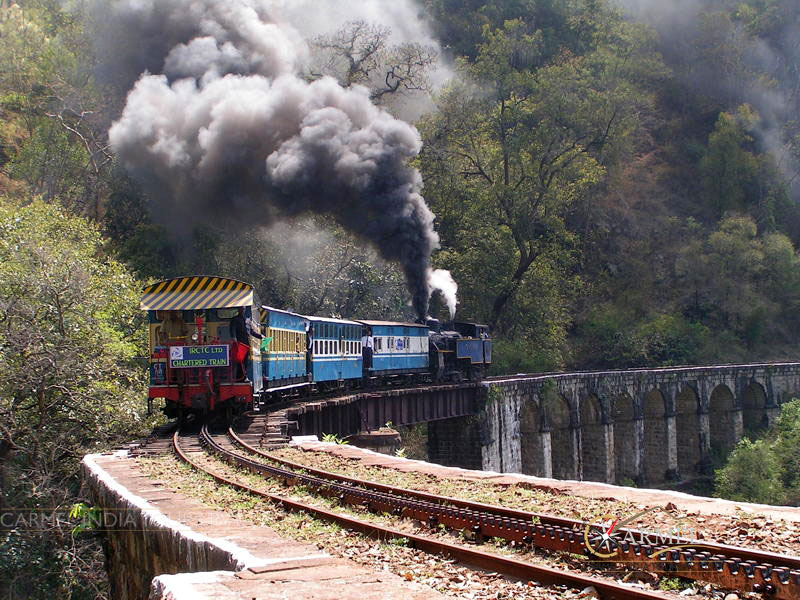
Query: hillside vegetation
point(612, 189)
point(605, 196)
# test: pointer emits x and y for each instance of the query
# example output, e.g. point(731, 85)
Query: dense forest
point(615, 184)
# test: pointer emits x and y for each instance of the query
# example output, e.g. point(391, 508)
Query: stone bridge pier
point(647, 426)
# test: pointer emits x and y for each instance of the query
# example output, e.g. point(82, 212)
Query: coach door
point(339, 351)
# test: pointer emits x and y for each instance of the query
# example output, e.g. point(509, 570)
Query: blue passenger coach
point(335, 351)
point(398, 347)
point(284, 348)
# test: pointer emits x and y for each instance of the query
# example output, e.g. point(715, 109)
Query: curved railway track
point(773, 575)
point(186, 445)
point(560, 525)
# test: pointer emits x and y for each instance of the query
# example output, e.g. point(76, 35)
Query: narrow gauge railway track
point(732, 567)
point(187, 444)
point(726, 568)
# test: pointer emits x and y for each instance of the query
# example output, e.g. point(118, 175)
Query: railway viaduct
point(648, 426)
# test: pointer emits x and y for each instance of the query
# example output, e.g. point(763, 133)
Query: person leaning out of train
point(241, 330)
point(367, 347)
point(173, 329)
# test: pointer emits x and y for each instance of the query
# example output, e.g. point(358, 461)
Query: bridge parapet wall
point(646, 426)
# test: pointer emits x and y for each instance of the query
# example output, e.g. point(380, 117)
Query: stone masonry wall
point(574, 425)
point(456, 442)
point(146, 544)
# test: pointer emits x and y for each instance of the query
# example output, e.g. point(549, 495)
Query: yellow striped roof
point(189, 293)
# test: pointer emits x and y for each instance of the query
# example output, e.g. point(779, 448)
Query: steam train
point(199, 360)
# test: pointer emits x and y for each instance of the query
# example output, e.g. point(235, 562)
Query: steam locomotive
point(197, 364)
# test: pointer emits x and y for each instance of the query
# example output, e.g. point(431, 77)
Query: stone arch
point(655, 451)
point(722, 423)
point(532, 449)
point(754, 409)
point(557, 413)
point(687, 425)
point(626, 447)
point(594, 452)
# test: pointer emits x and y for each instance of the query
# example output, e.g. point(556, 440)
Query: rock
point(589, 592)
point(688, 592)
point(731, 597)
point(670, 506)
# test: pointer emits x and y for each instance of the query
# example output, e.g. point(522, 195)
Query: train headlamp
point(195, 337)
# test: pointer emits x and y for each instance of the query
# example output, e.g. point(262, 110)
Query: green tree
point(787, 449)
point(509, 159)
point(70, 330)
point(58, 143)
point(730, 168)
point(752, 474)
point(766, 470)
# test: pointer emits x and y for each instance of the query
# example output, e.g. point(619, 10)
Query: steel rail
point(760, 556)
point(504, 565)
point(728, 566)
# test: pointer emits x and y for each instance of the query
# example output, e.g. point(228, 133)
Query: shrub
point(752, 474)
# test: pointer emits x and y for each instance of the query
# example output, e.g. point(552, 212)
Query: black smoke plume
point(218, 126)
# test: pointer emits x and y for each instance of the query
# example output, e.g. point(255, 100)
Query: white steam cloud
point(441, 280)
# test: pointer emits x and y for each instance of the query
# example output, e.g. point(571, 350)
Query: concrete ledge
point(586, 489)
point(163, 545)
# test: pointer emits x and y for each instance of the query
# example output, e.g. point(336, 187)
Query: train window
point(408, 344)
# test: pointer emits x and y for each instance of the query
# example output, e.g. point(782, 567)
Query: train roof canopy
point(193, 293)
point(393, 324)
point(264, 307)
point(331, 320)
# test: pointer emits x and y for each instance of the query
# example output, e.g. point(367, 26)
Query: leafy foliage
point(766, 470)
point(752, 474)
point(69, 382)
